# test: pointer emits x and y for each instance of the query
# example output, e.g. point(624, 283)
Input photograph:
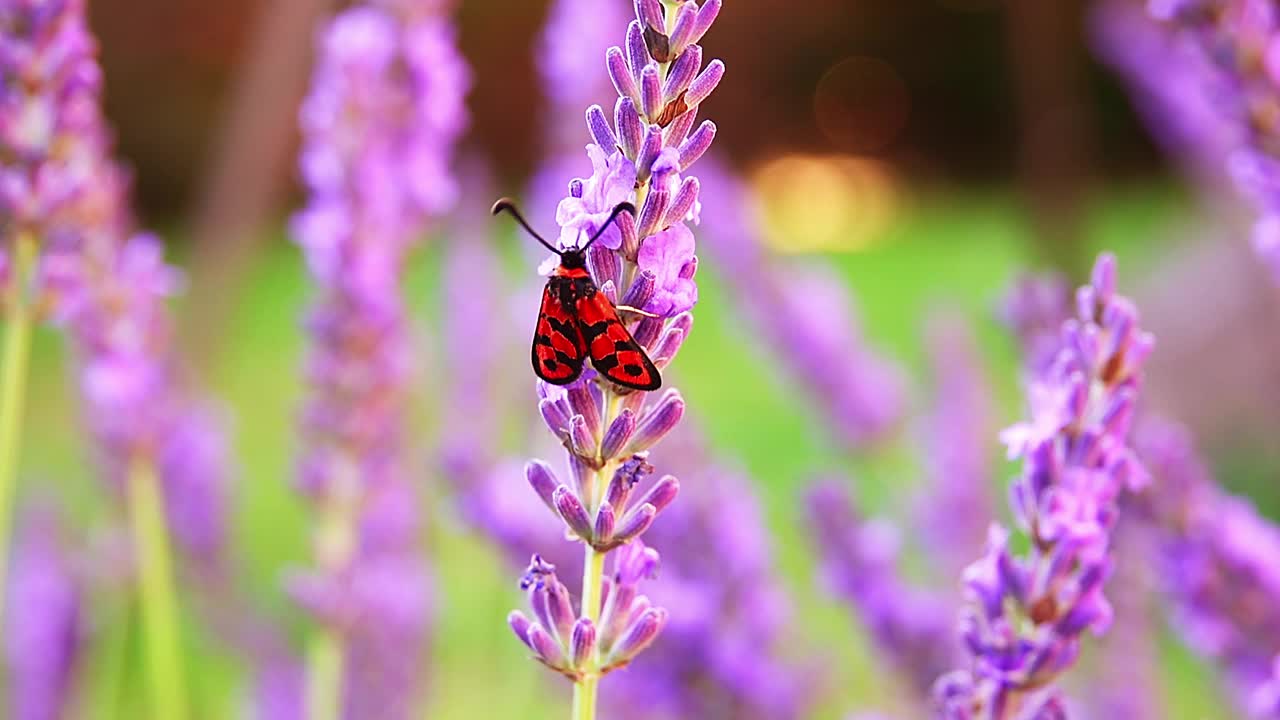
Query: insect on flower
point(576, 319)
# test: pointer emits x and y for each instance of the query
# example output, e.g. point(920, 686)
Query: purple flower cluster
point(385, 108)
point(45, 619)
point(1026, 614)
point(108, 284)
point(645, 262)
point(1239, 43)
point(911, 627)
point(721, 653)
point(815, 332)
point(570, 645)
point(58, 186)
point(1219, 562)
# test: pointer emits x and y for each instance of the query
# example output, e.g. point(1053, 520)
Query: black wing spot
point(633, 370)
point(550, 364)
point(622, 345)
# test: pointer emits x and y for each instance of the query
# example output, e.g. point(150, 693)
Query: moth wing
point(614, 352)
point(558, 347)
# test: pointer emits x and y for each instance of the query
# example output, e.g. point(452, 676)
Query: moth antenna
point(509, 206)
point(617, 210)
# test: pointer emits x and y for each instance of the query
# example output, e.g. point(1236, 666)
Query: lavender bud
point(520, 626)
point(572, 512)
point(650, 12)
point(637, 52)
point(647, 331)
point(543, 479)
point(672, 339)
point(598, 125)
point(697, 144)
point(650, 92)
point(682, 33)
point(649, 152)
point(604, 526)
point(583, 643)
point(610, 291)
point(654, 210)
point(559, 611)
point(660, 420)
point(545, 646)
point(581, 471)
point(555, 414)
point(703, 85)
point(630, 127)
point(641, 289)
point(634, 523)
point(706, 16)
point(619, 432)
point(604, 265)
point(630, 240)
point(623, 81)
point(584, 399)
point(629, 474)
point(679, 128)
point(662, 494)
point(581, 439)
point(683, 201)
point(641, 633)
point(682, 73)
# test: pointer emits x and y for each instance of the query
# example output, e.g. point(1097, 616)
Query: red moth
point(577, 320)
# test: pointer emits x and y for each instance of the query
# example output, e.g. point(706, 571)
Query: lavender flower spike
point(1237, 68)
point(379, 124)
point(606, 428)
point(1026, 614)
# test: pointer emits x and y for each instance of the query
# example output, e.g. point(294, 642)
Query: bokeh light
point(814, 203)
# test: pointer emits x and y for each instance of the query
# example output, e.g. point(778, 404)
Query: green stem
point(587, 687)
point(335, 546)
point(17, 352)
point(325, 661)
point(161, 638)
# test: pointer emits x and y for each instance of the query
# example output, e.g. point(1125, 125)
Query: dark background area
point(897, 80)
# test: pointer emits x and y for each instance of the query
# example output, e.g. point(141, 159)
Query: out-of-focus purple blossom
point(910, 626)
point(815, 332)
point(1168, 79)
point(1219, 562)
point(1228, 48)
point(721, 654)
point(109, 285)
point(58, 185)
point(1265, 702)
point(45, 621)
point(379, 124)
point(1034, 308)
point(1026, 614)
point(956, 504)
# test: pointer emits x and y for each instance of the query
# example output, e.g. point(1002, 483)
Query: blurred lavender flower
point(1265, 702)
point(911, 627)
point(956, 503)
point(645, 262)
point(815, 332)
point(576, 35)
point(1023, 626)
point(720, 654)
point(108, 284)
point(1034, 308)
point(45, 620)
point(385, 107)
point(58, 183)
point(1219, 562)
point(1238, 67)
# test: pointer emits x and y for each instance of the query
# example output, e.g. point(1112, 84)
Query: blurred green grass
point(952, 251)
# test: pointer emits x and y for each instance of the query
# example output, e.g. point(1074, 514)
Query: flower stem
point(335, 546)
point(325, 661)
point(17, 350)
point(161, 638)
point(585, 690)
